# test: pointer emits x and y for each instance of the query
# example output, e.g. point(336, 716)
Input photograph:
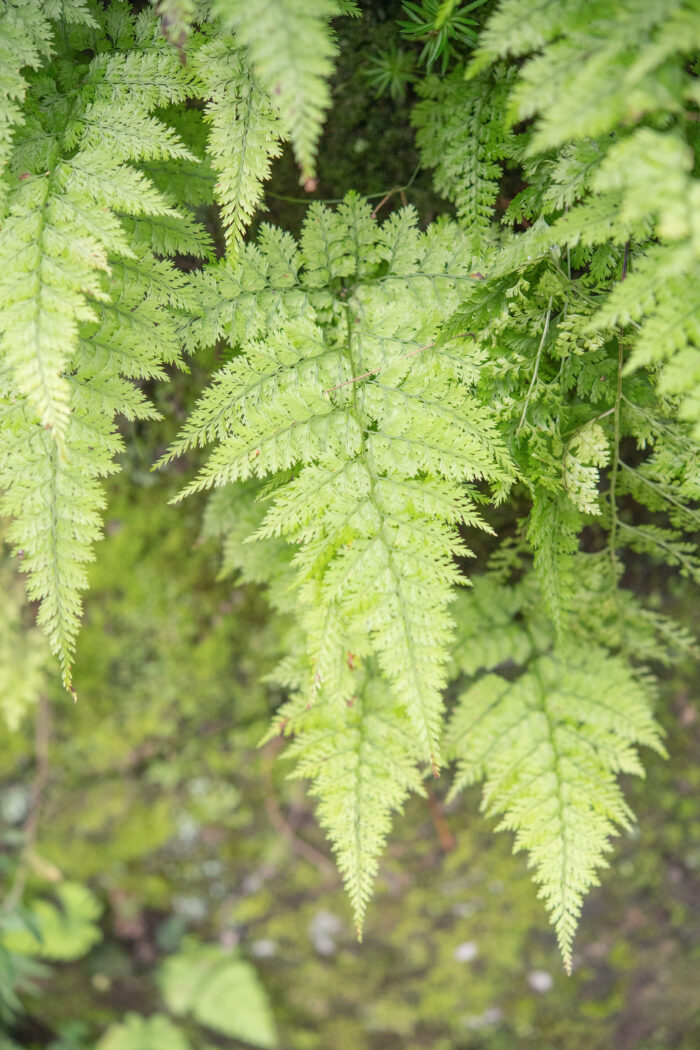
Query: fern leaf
point(553, 534)
point(488, 632)
point(244, 136)
point(291, 52)
point(85, 306)
point(374, 432)
point(461, 133)
point(361, 763)
point(549, 746)
point(41, 273)
point(26, 41)
point(55, 501)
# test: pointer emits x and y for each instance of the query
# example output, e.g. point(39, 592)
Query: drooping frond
point(461, 133)
point(55, 502)
point(557, 378)
point(380, 383)
point(244, 132)
point(291, 51)
point(26, 40)
point(622, 68)
point(488, 628)
point(553, 533)
point(373, 431)
point(62, 224)
point(85, 305)
point(360, 759)
point(549, 747)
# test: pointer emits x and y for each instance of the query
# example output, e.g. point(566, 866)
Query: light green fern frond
point(549, 746)
point(553, 533)
point(26, 40)
point(85, 305)
point(291, 50)
point(55, 502)
point(611, 89)
point(461, 132)
point(63, 225)
point(489, 628)
point(373, 431)
point(245, 132)
point(360, 759)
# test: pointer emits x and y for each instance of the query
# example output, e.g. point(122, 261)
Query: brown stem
point(385, 198)
point(447, 839)
point(42, 737)
point(281, 825)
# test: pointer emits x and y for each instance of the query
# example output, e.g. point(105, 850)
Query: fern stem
point(662, 492)
point(673, 552)
point(384, 195)
point(537, 367)
point(614, 520)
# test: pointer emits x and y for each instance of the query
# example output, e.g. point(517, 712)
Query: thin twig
point(385, 198)
point(277, 819)
point(673, 551)
point(521, 424)
point(614, 520)
point(643, 479)
point(339, 200)
point(572, 434)
point(42, 736)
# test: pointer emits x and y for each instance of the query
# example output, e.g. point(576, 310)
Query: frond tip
point(361, 762)
point(291, 51)
point(549, 746)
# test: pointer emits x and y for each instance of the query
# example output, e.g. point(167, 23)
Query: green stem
point(614, 519)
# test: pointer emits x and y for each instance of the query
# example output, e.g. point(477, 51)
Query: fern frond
point(85, 305)
point(62, 228)
point(549, 746)
point(55, 501)
point(291, 51)
point(244, 136)
point(26, 40)
point(372, 430)
point(489, 631)
point(361, 762)
point(553, 531)
point(597, 70)
point(461, 133)
point(243, 298)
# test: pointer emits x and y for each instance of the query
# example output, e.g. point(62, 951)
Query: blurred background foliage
point(165, 886)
